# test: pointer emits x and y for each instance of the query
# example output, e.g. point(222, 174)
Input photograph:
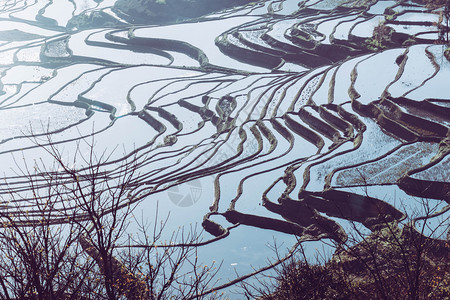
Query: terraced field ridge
point(279, 119)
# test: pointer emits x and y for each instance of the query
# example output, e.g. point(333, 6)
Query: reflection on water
point(240, 117)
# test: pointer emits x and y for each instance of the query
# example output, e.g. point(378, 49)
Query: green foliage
point(391, 263)
point(410, 41)
point(381, 37)
point(434, 3)
point(299, 280)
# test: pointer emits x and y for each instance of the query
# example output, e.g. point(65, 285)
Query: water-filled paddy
point(215, 133)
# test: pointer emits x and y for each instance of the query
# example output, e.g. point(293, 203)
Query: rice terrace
point(206, 149)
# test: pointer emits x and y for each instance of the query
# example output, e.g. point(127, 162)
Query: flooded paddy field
point(256, 123)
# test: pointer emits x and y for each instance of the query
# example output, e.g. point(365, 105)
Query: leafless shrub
point(63, 235)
